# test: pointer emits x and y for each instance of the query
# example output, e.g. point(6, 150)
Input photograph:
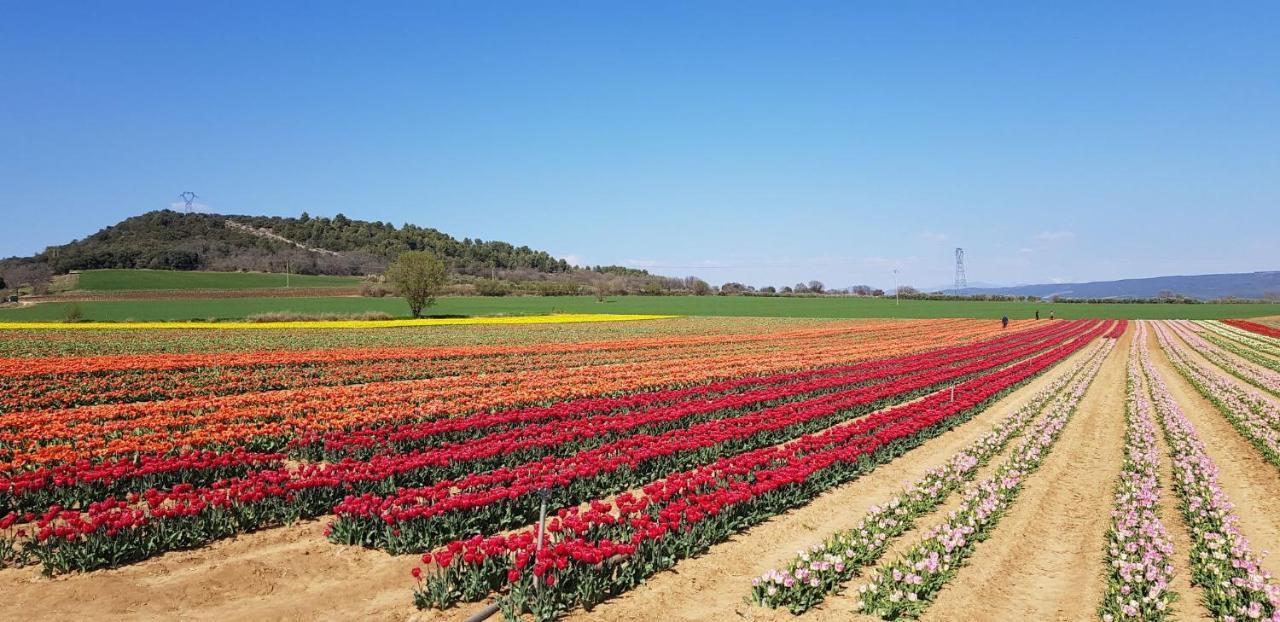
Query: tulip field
point(644, 468)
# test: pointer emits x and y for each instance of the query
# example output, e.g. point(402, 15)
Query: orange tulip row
point(268, 420)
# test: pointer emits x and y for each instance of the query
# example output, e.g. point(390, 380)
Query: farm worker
point(1051, 315)
point(1004, 322)
point(1037, 314)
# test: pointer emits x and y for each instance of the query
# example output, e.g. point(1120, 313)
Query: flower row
point(906, 587)
point(117, 531)
point(1139, 551)
point(824, 568)
point(269, 421)
point(504, 437)
point(1252, 414)
point(1233, 582)
point(595, 552)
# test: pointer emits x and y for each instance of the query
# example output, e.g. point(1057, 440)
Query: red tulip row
point(117, 531)
point(1119, 329)
point(70, 485)
point(596, 552)
point(1254, 327)
point(504, 435)
point(366, 442)
point(268, 421)
point(416, 519)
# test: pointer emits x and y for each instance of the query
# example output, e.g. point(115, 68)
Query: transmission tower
point(961, 281)
point(188, 197)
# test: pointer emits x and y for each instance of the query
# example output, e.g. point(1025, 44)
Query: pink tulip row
point(1258, 350)
point(1138, 547)
point(1234, 584)
point(1256, 375)
point(823, 568)
point(1252, 414)
point(907, 586)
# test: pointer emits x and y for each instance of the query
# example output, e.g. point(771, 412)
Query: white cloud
point(933, 236)
point(1058, 280)
point(1025, 251)
point(1054, 236)
point(573, 260)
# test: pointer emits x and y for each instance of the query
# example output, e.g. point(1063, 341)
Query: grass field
point(233, 308)
point(126, 280)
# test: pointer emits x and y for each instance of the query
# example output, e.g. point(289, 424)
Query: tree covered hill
point(167, 239)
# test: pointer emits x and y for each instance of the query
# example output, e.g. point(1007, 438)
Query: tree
point(732, 288)
point(785, 289)
point(2, 283)
point(698, 286)
point(416, 275)
point(816, 287)
point(768, 289)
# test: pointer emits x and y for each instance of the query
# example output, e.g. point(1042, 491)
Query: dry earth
point(1043, 562)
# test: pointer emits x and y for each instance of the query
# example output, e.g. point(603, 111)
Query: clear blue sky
point(760, 142)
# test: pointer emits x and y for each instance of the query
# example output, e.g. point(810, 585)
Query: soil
point(1249, 481)
point(1043, 562)
point(714, 585)
point(1046, 558)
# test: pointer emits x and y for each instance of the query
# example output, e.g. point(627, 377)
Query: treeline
point(169, 240)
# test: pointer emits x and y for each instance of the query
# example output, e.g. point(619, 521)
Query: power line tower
point(188, 197)
point(961, 281)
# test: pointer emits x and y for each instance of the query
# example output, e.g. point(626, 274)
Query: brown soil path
point(1195, 355)
point(294, 573)
point(290, 573)
point(1251, 483)
point(714, 586)
point(1046, 559)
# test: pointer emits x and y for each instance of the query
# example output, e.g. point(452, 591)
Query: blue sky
point(761, 142)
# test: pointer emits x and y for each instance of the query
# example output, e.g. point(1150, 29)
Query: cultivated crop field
point(689, 468)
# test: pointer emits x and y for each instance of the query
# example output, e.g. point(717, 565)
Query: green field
point(232, 308)
point(127, 280)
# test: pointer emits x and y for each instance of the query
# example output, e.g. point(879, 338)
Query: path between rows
point(1250, 482)
point(713, 586)
point(1045, 559)
point(294, 573)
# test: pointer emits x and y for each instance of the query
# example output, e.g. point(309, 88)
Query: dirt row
point(1045, 561)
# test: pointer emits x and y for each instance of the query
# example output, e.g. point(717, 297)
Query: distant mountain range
point(1203, 286)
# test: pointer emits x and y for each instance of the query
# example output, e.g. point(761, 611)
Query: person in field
point(1004, 322)
point(1037, 314)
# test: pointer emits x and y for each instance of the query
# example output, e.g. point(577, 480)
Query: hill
point(170, 240)
point(1252, 285)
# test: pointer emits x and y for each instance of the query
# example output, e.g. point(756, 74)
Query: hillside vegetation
point(130, 280)
point(338, 246)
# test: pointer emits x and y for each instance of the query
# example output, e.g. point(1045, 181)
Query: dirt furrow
point(714, 586)
point(1046, 558)
point(1250, 482)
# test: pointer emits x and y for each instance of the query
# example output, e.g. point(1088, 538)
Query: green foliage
point(417, 276)
point(124, 280)
point(168, 240)
point(492, 287)
point(734, 306)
